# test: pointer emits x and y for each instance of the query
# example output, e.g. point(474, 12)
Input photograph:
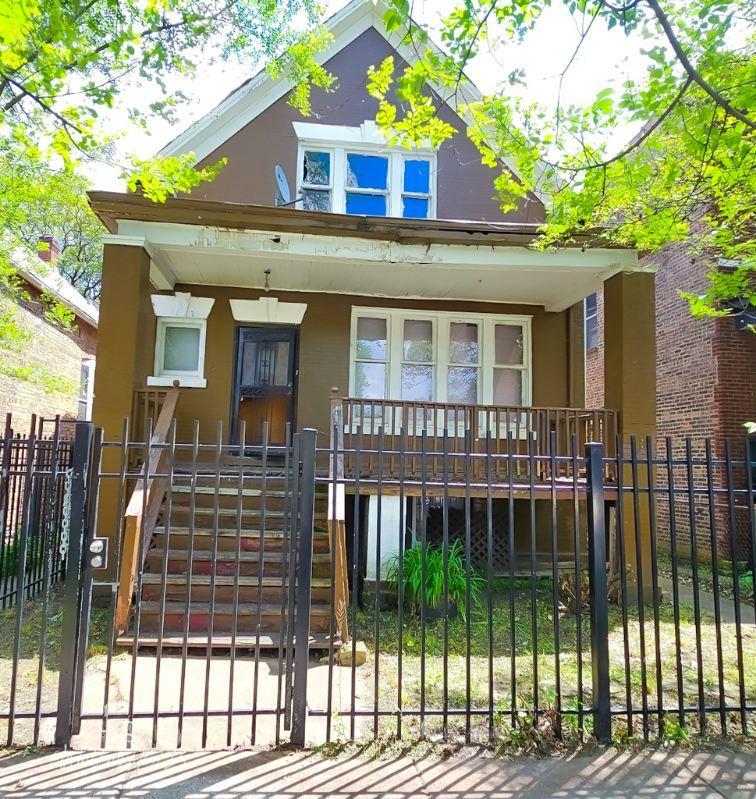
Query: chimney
point(50, 249)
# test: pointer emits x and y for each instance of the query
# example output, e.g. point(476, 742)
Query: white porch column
point(391, 534)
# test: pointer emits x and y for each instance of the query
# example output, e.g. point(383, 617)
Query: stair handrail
point(143, 508)
point(337, 517)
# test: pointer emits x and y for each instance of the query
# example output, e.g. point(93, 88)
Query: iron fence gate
point(149, 682)
point(619, 600)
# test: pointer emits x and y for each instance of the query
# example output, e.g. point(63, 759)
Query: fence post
point(71, 591)
point(597, 577)
point(304, 580)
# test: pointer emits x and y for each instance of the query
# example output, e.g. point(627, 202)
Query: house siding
point(465, 186)
point(324, 342)
point(58, 355)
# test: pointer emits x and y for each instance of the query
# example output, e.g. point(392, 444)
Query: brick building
point(51, 370)
point(705, 388)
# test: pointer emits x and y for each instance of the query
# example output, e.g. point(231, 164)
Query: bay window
point(440, 357)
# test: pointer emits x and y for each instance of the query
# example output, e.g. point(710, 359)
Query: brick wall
point(705, 387)
point(58, 353)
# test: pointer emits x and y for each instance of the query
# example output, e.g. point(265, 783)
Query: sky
point(543, 56)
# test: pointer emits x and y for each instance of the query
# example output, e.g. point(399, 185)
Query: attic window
point(316, 181)
point(351, 171)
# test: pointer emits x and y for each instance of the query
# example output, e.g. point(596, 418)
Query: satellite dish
point(283, 195)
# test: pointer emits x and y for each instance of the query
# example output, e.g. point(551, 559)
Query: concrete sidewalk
point(307, 775)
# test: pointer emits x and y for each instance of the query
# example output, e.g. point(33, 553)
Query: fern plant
point(411, 569)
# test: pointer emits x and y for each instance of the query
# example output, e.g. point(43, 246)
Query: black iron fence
point(33, 471)
point(504, 595)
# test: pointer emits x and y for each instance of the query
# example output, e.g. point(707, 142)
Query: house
point(392, 285)
point(51, 372)
point(705, 387)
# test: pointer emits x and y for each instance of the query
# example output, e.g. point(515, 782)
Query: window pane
point(84, 382)
point(316, 200)
point(463, 384)
point(366, 204)
point(414, 208)
point(591, 333)
point(279, 370)
point(367, 171)
point(418, 340)
point(416, 176)
point(370, 380)
point(372, 342)
point(317, 169)
point(417, 382)
point(507, 387)
point(590, 305)
point(181, 352)
point(463, 343)
point(508, 344)
point(249, 363)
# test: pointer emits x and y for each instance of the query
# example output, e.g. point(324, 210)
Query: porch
point(457, 350)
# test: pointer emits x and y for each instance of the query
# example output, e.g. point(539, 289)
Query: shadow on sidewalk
point(294, 775)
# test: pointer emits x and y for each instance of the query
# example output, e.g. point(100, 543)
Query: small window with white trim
point(180, 339)
point(180, 348)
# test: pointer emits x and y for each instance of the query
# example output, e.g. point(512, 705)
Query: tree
point(39, 200)
point(65, 63)
point(688, 175)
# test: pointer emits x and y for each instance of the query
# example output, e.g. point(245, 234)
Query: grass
point(29, 652)
point(527, 658)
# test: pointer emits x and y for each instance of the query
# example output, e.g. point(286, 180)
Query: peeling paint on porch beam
point(308, 246)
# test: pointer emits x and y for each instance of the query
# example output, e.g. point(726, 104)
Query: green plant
point(431, 558)
point(745, 583)
point(674, 732)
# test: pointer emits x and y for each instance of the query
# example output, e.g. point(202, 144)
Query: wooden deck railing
point(519, 430)
point(337, 520)
point(143, 508)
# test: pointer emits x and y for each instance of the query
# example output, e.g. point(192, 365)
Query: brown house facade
point(390, 281)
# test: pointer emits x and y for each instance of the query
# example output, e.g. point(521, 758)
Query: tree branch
point(693, 73)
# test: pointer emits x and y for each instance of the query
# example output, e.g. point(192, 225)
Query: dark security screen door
point(265, 382)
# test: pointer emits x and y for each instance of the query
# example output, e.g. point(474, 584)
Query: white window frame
point(90, 365)
point(194, 378)
point(301, 185)
point(442, 320)
point(355, 359)
point(338, 140)
point(586, 317)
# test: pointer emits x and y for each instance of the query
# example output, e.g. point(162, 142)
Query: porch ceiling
point(316, 262)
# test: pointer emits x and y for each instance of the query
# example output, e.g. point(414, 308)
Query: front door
point(265, 383)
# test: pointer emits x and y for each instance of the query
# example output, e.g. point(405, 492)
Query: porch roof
point(213, 243)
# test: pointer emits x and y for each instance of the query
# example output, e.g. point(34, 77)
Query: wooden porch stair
point(216, 561)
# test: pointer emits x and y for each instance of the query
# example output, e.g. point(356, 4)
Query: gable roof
point(47, 278)
point(258, 93)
